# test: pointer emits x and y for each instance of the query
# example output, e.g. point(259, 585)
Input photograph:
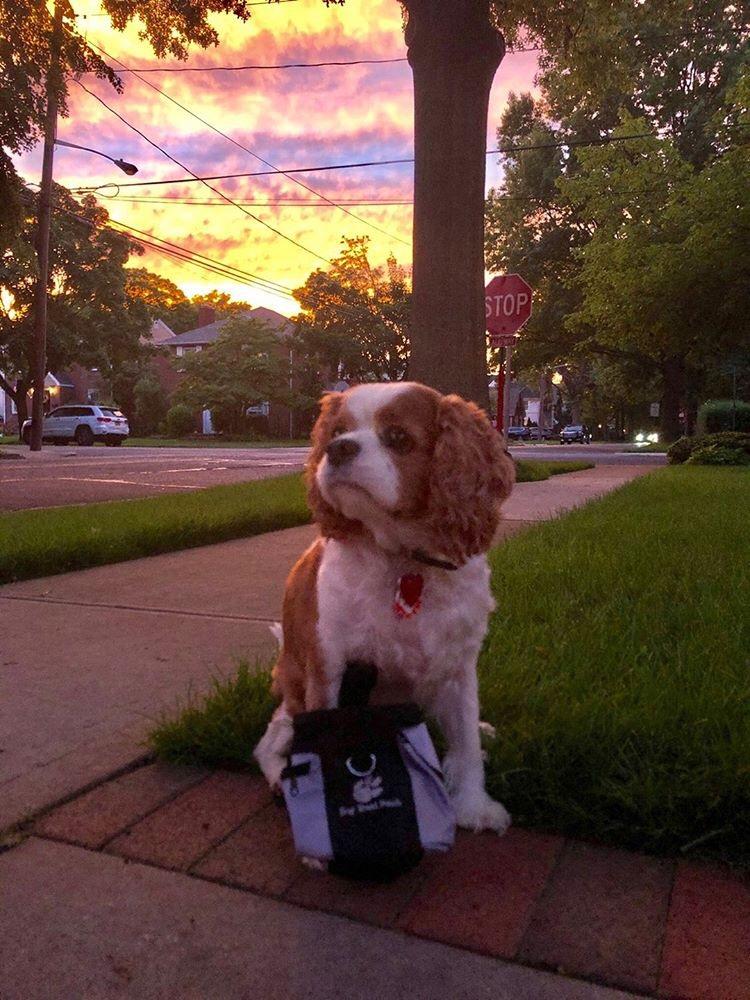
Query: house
point(272, 418)
point(83, 385)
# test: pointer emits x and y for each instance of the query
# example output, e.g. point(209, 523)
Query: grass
point(41, 542)
point(534, 472)
point(616, 671)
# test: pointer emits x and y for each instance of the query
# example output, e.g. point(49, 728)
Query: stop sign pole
point(507, 306)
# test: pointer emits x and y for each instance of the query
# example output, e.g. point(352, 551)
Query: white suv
point(82, 424)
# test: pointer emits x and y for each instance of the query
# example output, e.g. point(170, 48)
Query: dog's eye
point(397, 439)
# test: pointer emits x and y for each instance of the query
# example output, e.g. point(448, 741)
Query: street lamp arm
point(128, 168)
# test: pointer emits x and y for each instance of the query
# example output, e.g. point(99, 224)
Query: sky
point(290, 118)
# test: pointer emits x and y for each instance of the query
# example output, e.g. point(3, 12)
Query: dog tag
point(408, 599)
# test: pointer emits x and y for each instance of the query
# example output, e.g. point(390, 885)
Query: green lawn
point(616, 670)
point(42, 542)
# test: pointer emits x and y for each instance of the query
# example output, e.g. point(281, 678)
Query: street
point(57, 476)
point(71, 475)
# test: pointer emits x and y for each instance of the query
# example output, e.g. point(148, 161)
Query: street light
point(127, 168)
point(53, 86)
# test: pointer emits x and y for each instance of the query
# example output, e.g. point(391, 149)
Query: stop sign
point(507, 306)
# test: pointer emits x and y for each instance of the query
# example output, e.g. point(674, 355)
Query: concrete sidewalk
point(79, 924)
point(89, 659)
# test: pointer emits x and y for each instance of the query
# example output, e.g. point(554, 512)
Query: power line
point(605, 140)
point(202, 180)
point(289, 65)
point(286, 202)
point(372, 163)
point(184, 255)
point(272, 285)
point(269, 203)
point(237, 69)
point(257, 156)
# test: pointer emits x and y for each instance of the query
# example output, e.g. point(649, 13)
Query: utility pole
point(42, 239)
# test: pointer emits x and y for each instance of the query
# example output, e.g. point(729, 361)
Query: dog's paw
point(480, 812)
point(488, 730)
point(314, 864)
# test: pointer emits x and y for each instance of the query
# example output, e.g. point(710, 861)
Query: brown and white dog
point(406, 487)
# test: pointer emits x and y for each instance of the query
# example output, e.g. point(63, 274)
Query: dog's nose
point(341, 450)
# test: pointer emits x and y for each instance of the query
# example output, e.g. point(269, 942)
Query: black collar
point(420, 556)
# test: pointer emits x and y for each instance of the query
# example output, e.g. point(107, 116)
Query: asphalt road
point(72, 475)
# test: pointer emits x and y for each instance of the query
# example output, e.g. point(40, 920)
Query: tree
point(355, 319)
point(244, 367)
point(665, 272)
point(166, 301)
point(92, 321)
point(674, 64)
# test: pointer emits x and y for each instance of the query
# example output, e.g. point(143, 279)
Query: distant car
point(518, 433)
point(82, 424)
point(540, 434)
point(575, 432)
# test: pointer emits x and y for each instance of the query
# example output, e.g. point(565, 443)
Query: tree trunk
point(454, 53)
point(673, 386)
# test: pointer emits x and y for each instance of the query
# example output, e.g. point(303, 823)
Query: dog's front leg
point(457, 712)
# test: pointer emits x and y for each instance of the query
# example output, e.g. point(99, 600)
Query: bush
point(719, 414)
point(180, 420)
point(149, 406)
point(717, 454)
point(680, 451)
point(684, 448)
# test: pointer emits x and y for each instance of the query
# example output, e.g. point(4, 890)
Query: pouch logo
point(367, 789)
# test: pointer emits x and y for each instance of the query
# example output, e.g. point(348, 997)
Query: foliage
point(675, 68)
point(149, 406)
point(180, 420)
point(91, 319)
point(245, 366)
point(354, 320)
point(683, 448)
point(717, 454)
point(224, 726)
point(166, 301)
point(680, 450)
point(724, 415)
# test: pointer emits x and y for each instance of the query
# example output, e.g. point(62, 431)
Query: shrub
point(717, 454)
point(180, 420)
point(680, 451)
point(149, 406)
point(684, 448)
point(719, 414)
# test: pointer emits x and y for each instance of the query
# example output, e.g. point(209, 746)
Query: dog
point(406, 487)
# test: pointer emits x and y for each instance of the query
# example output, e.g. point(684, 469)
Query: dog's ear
point(331, 522)
point(471, 475)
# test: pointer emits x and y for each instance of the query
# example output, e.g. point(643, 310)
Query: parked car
point(82, 424)
point(518, 433)
point(575, 432)
point(540, 433)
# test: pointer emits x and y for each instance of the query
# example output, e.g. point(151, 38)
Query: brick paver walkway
point(671, 929)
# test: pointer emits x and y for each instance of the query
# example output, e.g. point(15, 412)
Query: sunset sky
point(291, 118)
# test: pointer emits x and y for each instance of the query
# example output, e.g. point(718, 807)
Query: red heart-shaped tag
point(410, 588)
